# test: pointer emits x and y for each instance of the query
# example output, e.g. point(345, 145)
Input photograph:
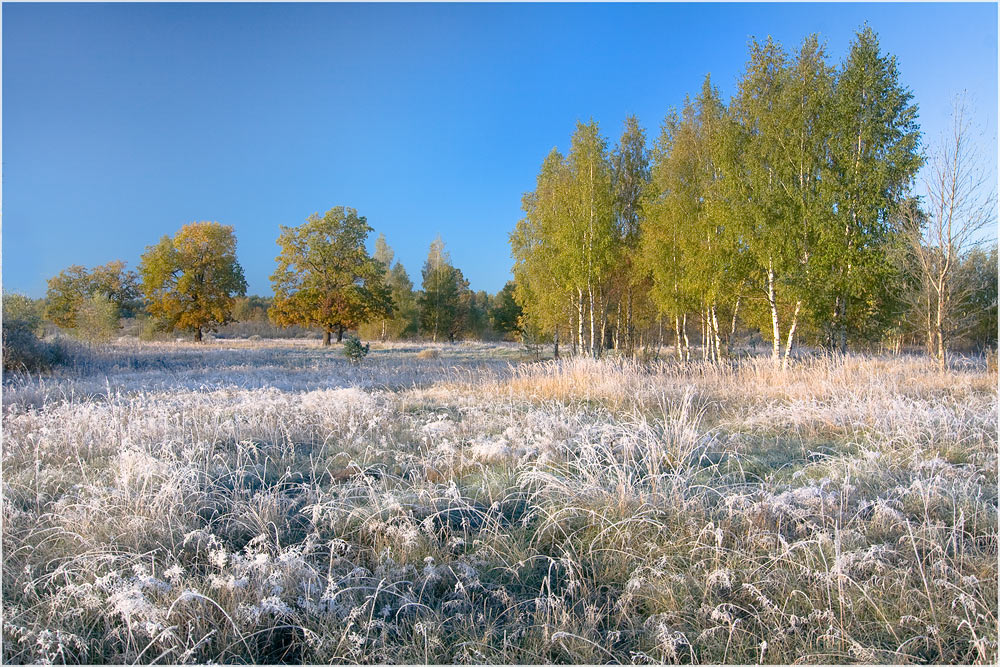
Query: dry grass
point(273, 503)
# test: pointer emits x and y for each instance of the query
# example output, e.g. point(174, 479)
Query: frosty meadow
point(710, 383)
point(270, 502)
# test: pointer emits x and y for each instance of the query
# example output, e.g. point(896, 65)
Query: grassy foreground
point(273, 503)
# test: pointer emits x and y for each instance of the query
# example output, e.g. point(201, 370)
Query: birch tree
point(589, 237)
point(630, 180)
point(873, 157)
point(543, 266)
point(960, 203)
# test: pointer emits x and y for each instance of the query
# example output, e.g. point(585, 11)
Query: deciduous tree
point(873, 157)
point(960, 203)
point(441, 301)
point(190, 281)
point(325, 277)
point(67, 292)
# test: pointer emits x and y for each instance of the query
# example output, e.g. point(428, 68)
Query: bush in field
point(70, 292)
point(21, 309)
point(98, 319)
point(22, 349)
point(354, 350)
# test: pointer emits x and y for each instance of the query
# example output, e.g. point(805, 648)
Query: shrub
point(22, 349)
point(354, 350)
point(429, 353)
point(19, 308)
point(98, 319)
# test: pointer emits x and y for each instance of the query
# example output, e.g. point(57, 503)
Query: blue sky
point(121, 122)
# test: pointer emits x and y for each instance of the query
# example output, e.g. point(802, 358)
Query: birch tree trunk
point(616, 341)
point(732, 329)
point(593, 348)
point(705, 340)
point(677, 336)
point(715, 331)
point(687, 343)
point(791, 333)
point(939, 327)
point(773, 304)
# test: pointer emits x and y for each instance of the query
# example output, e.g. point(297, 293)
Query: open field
point(270, 502)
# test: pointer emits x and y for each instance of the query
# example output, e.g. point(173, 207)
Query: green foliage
point(403, 322)
point(475, 308)
point(66, 293)
point(383, 253)
point(325, 277)
point(406, 316)
point(98, 318)
point(630, 178)
point(70, 290)
point(788, 193)
point(251, 308)
point(542, 286)
point(873, 143)
point(566, 247)
point(23, 311)
point(977, 274)
point(443, 301)
point(354, 350)
point(505, 313)
point(119, 286)
point(190, 281)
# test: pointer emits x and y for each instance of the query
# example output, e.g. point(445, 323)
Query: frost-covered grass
point(265, 502)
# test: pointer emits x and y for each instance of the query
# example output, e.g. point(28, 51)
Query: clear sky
point(121, 122)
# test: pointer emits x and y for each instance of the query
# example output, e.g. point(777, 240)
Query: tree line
point(788, 211)
point(325, 279)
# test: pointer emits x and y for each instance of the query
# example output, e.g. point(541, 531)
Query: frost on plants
point(275, 504)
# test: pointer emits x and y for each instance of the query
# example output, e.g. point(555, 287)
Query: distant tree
point(960, 203)
point(325, 277)
point(19, 310)
point(476, 313)
point(405, 321)
point(441, 301)
point(979, 273)
point(630, 177)
point(22, 348)
point(675, 199)
point(689, 248)
point(98, 318)
point(74, 287)
point(66, 294)
point(505, 313)
point(383, 255)
point(251, 308)
point(190, 281)
point(120, 286)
